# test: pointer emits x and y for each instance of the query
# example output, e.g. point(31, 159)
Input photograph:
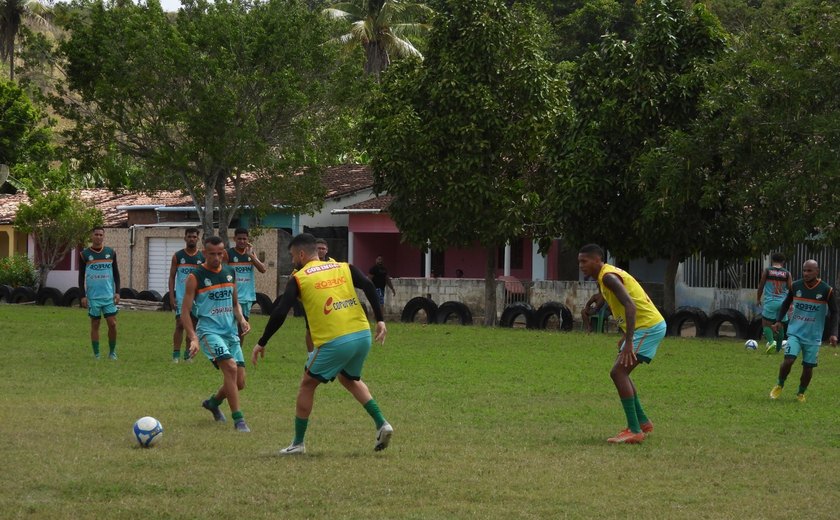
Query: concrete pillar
point(350, 248)
point(507, 259)
point(427, 267)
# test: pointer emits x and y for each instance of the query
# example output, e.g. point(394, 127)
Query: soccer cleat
point(217, 414)
point(647, 428)
point(96, 357)
point(800, 398)
point(241, 426)
point(294, 449)
point(175, 360)
point(771, 346)
point(776, 392)
point(383, 437)
point(112, 356)
point(627, 437)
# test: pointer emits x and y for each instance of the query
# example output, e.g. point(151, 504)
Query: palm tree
point(382, 27)
point(14, 13)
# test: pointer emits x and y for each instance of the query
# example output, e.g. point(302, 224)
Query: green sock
point(802, 389)
point(373, 410)
point(214, 402)
point(781, 382)
point(640, 414)
point(186, 353)
point(629, 405)
point(768, 334)
point(780, 338)
point(95, 345)
point(300, 429)
point(112, 346)
point(176, 354)
point(237, 416)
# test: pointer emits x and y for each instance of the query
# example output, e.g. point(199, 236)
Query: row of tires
point(549, 315)
point(686, 319)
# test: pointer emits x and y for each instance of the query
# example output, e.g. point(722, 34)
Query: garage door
point(160, 258)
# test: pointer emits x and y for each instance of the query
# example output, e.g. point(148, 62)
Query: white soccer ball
point(751, 344)
point(147, 431)
point(784, 344)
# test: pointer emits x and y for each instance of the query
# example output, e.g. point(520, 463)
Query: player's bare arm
point(761, 283)
point(173, 269)
point(254, 260)
point(627, 356)
point(244, 326)
point(186, 307)
point(783, 310)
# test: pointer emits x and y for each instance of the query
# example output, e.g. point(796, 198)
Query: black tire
point(129, 293)
point(165, 300)
point(556, 310)
point(684, 315)
point(49, 296)
point(5, 294)
point(264, 303)
point(23, 295)
point(756, 330)
point(732, 316)
point(449, 309)
point(417, 304)
point(149, 296)
point(516, 310)
point(73, 297)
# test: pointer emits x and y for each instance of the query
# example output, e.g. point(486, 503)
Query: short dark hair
point(240, 231)
point(777, 257)
point(191, 230)
point(592, 249)
point(305, 241)
point(213, 241)
point(97, 228)
point(321, 241)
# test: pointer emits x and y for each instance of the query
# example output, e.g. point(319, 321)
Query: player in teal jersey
point(813, 302)
point(243, 260)
point(774, 286)
point(183, 263)
point(99, 282)
point(212, 286)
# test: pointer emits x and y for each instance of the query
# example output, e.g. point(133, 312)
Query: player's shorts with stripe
point(219, 347)
point(770, 311)
point(646, 341)
point(99, 307)
point(345, 354)
point(809, 350)
point(178, 302)
point(246, 308)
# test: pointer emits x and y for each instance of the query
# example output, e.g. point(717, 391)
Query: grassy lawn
point(488, 424)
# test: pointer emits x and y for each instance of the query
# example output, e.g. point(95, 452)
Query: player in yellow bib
point(340, 333)
point(643, 326)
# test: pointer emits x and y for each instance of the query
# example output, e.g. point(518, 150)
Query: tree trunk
point(224, 211)
point(12, 63)
point(207, 212)
point(671, 284)
point(43, 272)
point(377, 59)
point(490, 288)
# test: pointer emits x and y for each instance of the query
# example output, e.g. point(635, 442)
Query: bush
point(17, 271)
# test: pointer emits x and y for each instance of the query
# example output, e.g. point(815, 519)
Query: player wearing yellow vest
point(643, 326)
point(340, 333)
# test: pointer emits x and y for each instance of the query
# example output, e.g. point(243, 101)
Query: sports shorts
point(770, 311)
point(646, 341)
point(809, 351)
point(246, 308)
point(219, 347)
point(99, 307)
point(345, 354)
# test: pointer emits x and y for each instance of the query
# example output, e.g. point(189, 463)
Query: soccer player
point(183, 263)
point(243, 261)
point(323, 249)
point(99, 282)
point(813, 301)
point(340, 331)
point(212, 286)
point(774, 285)
point(643, 328)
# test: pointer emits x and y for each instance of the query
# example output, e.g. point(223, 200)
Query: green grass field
point(489, 424)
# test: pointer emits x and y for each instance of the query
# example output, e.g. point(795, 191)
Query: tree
point(24, 134)
point(13, 14)
point(382, 28)
point(455, 137)
point(630, 98)
point(58, 221)
point(227, 91)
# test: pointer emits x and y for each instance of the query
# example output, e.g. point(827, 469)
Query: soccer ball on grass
point(147, 431)
point(751, 344)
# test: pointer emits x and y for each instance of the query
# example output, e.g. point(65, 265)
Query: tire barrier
point(417, 304)
point(22, 295)
point(5, 294)
point(684, 315)
point(518, 310)
point(166, 305)
point(73, 297)
point(129, 293)
point(554, 311)
point(448, 309)
point(264, 303)
point(149, 296)
point(49, 296)
point(731, 316)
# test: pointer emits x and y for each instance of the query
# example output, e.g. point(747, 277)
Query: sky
point(170, 5)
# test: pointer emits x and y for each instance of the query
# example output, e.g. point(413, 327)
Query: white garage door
point(160, 258)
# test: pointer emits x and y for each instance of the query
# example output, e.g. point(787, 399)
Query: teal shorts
point(809, 351)
point(246, 309)
point(101, 307)
point(646, 341)
point(345, 354)
point(218, 347)
point(770, 311)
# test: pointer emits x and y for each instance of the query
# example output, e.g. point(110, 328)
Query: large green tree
point(224, 91)
point(25, 135)
point(454, 138)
